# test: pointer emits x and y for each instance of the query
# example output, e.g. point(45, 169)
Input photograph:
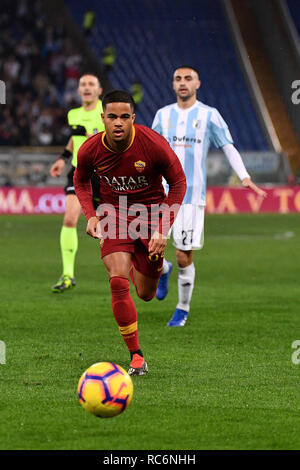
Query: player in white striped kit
point(190, 128)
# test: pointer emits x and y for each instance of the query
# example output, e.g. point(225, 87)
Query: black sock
point(139, 352)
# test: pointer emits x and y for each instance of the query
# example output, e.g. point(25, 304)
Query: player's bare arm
point(93, 228)
point(59, 164)
point(237, 164)
point(247, 183)
point(157, 244)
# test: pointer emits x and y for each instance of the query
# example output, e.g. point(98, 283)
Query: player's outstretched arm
point(82, 181)
point(59, 164)
point(238, 166)
point(57, 168)
point(247, 183)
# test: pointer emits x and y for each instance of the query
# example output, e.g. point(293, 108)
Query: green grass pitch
point(224, 381)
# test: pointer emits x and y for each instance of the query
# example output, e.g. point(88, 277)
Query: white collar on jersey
point(186, 110)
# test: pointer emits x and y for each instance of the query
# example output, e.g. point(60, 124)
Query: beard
point(184, 97)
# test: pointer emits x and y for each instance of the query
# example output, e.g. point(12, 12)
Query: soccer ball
point(105, 389)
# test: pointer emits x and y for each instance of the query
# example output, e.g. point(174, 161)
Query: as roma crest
point(139, 166)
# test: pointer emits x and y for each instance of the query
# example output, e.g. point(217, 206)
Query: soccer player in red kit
point(130, 160)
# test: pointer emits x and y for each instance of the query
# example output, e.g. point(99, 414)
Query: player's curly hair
point(117, 96)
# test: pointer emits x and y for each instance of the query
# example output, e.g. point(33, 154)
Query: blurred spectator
point(88, 22)
point(40, 67)
point(109, 56)
point(41, 84)
point(137, 93)
point(11, 69)
point(45, 135)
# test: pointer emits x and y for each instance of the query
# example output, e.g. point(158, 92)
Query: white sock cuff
point(165, 267)
point(184, 307)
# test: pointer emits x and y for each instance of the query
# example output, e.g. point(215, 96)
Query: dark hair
point(117, 96)
point(184, 66)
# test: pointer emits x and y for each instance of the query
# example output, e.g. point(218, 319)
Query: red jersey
point(136, 172)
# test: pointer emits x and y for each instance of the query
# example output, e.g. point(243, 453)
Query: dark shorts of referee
point(149, 266)
point(70, 189)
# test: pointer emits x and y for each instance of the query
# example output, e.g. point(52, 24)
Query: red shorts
point(140, 254)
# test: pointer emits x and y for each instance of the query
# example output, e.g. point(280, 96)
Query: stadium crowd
point(40, 68)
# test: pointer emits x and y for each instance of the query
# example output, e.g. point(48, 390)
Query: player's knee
point(146, 296)
point(70, 223)
point(70, 220)
point(119, 285)
point(120, 271)
point(183, 258)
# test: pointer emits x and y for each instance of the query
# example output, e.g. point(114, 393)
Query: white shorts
point(188, 228)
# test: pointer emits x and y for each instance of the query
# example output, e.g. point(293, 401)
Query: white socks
point(186, 278)
point(165, 268)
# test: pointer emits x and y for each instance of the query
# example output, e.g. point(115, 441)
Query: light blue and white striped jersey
point(190, 132)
